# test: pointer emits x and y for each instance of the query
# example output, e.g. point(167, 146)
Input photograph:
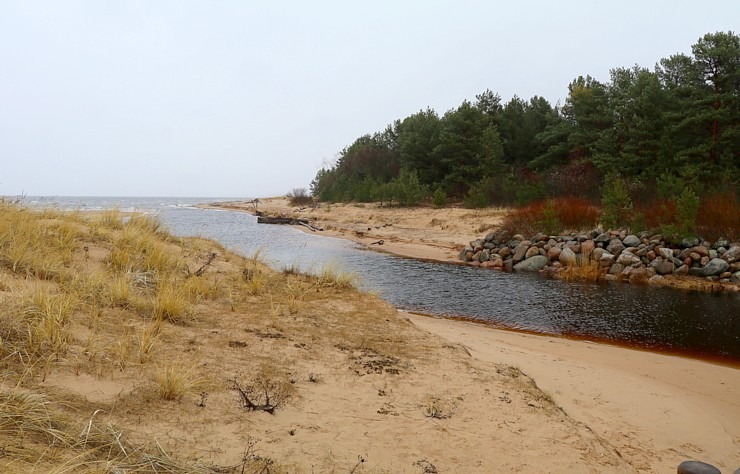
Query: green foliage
point(550, 223)
point(663, 130)
point(439, 198)
point(638, 223)
point(616, 203)
point(407, 189)
point(687, 208)
point(476, 197)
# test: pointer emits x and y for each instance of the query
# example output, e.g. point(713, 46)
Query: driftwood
point(378, 242)
point(202, 269)
point(311, 226)
point(280, 220)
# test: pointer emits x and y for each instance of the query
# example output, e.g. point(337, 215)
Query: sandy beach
point(652, 410)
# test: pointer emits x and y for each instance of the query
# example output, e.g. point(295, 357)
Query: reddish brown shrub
point(572, 214)
point(657, 213)
point(576, 213)
point(524, 220)
point(719, 217)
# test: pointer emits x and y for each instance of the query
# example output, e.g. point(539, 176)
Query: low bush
point(552, 216)
point(299, 197)
point(718, 217)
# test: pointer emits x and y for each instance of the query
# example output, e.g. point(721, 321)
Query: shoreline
point(409, 233)
point(438, 251)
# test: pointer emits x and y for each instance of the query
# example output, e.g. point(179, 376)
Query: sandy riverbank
point(426, 233)
point(652, 410)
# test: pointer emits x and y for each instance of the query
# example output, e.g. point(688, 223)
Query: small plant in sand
point(266, 391)
point(48, 318)
point(171, 303)
point(436, 407)
point(176, 380)
point(331, 277)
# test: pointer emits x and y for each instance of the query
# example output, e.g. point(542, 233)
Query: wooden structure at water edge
point(286, 221)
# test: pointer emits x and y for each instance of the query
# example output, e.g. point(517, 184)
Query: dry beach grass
point(125, 349)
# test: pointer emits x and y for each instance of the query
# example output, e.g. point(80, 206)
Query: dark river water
point(689, 323)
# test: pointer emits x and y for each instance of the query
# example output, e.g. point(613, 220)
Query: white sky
point(243, 98)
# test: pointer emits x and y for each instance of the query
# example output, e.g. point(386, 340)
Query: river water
point(689, 323)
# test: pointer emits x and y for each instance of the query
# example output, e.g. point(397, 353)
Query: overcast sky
point(247, 99)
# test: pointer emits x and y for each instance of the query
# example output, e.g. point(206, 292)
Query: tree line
point(660, 131)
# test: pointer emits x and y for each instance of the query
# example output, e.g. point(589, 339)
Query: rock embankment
point(615, 255)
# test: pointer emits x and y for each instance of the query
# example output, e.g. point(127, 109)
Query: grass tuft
point(176, 381)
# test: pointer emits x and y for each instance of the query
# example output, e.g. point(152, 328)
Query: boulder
point(602, 238)
point(532, 264)
point(521, 251)
point(664, 267)
point(631, 241)
point(655, 280)
point(466, 254)
point(606, 259)
point(485, 255)
point(682, 270)
point(689, 242)
point(597, 253)
point(638, 275)
point(587, 247)
point(531, 252)
point(553, 253)
point(701, 250)
point(567, 257)
point(505, 252)
point(721, 243)
point(627, 258)
point(477, 244)
point(715, 267)
point(696, 271)
point(666, 253)
point(735, 278)
point(650, 255)
point(732, 254)
point(616, 269)
point(615, 246)
point(508, 265)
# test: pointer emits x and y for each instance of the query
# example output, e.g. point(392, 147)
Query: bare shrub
point(299, 197)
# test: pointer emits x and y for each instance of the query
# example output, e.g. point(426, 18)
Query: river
point(694, 324)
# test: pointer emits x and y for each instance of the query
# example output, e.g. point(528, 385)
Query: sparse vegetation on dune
point(117, 353)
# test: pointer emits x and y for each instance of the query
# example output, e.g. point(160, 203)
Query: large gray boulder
point(716, 266)
point(663, 267)
point(631, 241)
point(532, 264)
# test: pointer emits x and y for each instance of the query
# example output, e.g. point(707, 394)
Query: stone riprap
point(619, 255)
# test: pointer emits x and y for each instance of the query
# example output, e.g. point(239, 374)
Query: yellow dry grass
point(87, 295)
